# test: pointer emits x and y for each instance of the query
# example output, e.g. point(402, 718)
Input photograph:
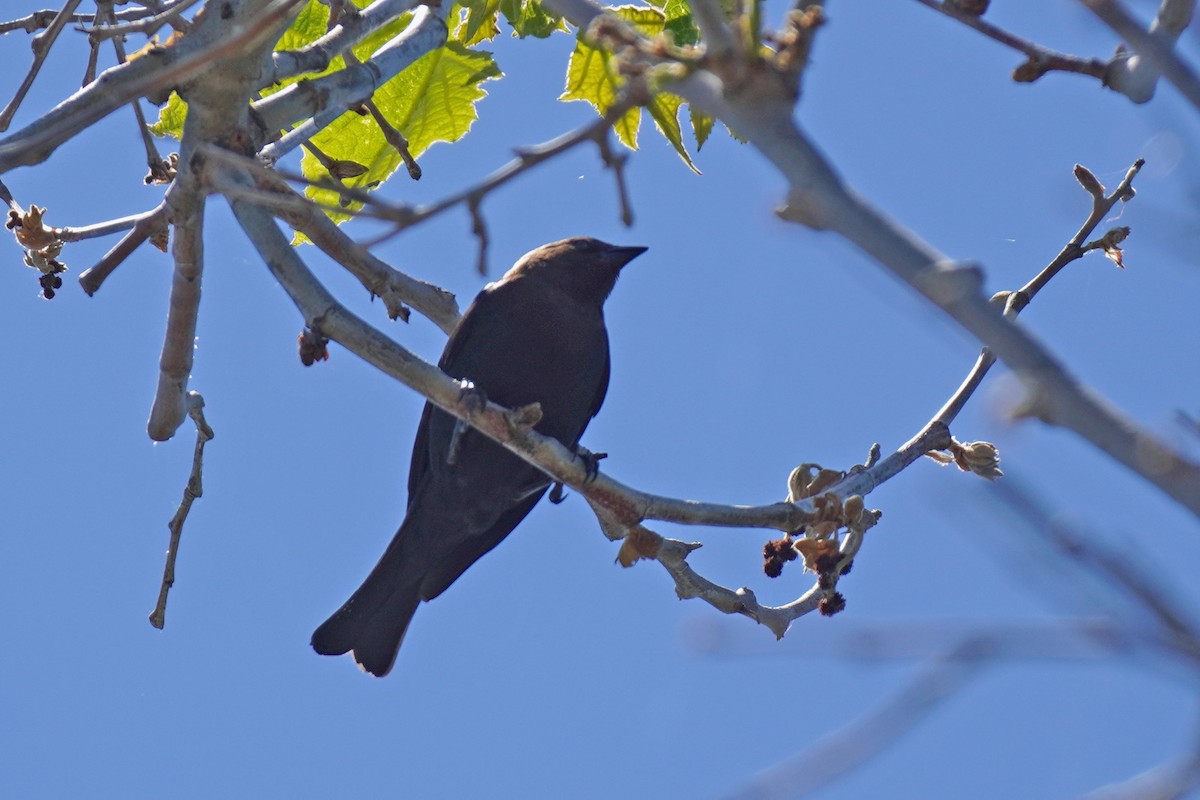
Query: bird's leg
point(475, 400)
point(591, 466)
point(591, 462)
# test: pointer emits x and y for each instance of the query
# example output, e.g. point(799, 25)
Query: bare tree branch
point(322, 100)
point(175, 364)
point(1135, 74)
point(350, 30)
point(39, 20)
point(1040, 60)
point(140, 226)
point(147, 25)
point(760, 109)
point(41, 48)
point(191, 492)
point(1015, 302)
point(208, 42)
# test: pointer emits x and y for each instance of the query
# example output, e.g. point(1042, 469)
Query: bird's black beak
point(621, 256)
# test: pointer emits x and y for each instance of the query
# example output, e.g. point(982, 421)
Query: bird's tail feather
point(372, 623)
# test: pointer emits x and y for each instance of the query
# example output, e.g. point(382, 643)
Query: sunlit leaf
point(170, 118)
point(593, 78)
point(592, 74)
point(679, 23)
point(664, 110)
point(530, 18)
point(431, 101)
point(702, 126)
point(480, 23)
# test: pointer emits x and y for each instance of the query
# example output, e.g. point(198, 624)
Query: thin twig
point(41, 48)
point(6, 196)
point(147, 25)
point(616, 162)
point(527, 158)
point(123, 83)
point(396, 139)
point(843, 750)
point(941, 677)
point(1040, 59)
point(1017, 301)
point(39, 20)
point(144, 226)
point(480, 232)
point(89, 73)
point(191, 492)
point(381, 280)
point(1159, 619)
point(158, 167)
point(99, 229)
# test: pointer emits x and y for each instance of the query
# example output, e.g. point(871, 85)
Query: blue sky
point(741, 346)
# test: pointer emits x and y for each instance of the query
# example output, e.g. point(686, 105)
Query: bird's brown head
point(583, 267)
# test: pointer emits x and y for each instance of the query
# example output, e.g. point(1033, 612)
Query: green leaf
point(310, 24)
point(679, 23)
point(530, 18)
point(702, 125)
point(170, 118)
point(592, 77)
point(664, 110)
point(431, 101)
point(592, 74)
point(480, 24)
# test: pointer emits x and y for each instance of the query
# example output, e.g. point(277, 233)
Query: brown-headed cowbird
point(535, 335)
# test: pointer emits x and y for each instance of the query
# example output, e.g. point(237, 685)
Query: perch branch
point(620, 509)
point(323, 314)
point(818, 198)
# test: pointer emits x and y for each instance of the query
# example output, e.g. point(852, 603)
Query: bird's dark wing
point(420, 453)
point(602, 389)
point(454, 563)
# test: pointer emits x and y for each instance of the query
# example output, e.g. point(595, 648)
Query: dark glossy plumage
point(536, 335)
